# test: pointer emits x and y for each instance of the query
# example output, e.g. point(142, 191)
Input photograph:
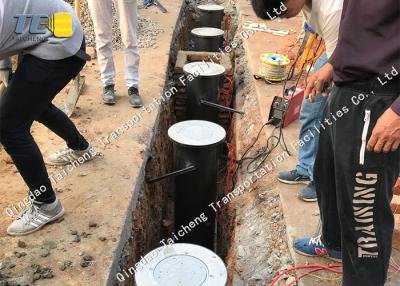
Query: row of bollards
point(197, 148)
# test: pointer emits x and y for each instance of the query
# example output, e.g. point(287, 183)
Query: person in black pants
point(357, 163)
point(28, 98)
point(48, 64)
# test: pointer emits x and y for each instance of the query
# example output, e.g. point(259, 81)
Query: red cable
point(394, 267)
point(322, 267)
point(227, 31)
point(312, 271)
point(227, 93)
point(230, 167)
point(317, 267)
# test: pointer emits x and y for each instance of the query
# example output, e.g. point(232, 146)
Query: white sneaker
point(66, 156)
point(36, 217)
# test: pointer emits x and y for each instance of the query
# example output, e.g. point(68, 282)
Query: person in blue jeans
point(310, 118)
point(324, 17)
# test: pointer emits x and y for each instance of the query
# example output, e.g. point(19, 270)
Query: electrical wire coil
point(273, 66)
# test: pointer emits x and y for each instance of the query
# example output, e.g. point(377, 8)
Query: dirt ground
point(95, 195)
point(259, 253)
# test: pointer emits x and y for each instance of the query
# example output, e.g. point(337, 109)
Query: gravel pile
point(147, 29)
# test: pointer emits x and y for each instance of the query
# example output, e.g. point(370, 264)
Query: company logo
point(60, 24)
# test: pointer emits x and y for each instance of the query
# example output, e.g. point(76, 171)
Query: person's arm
point(316, 83)
point(330, 32)
point(5, 73)
point(396, 106)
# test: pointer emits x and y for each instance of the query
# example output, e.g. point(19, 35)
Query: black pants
point(354, 186)
point(29, 98)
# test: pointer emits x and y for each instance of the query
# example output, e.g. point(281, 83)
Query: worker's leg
point(127, 12)
point(325, 182)
point(58, 122)
point(101, 12)
point(28, 98)
point(364, 182)
point(310, 117)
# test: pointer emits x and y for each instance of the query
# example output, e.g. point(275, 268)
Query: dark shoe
point(292, 177)
point(109, 95)
point(309, 193)
point(134, 97)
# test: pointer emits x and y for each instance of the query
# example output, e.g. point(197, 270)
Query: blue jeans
point(310, 116)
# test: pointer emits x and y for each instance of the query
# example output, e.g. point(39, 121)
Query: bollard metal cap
point(197, 133)
point(182, 264)
point(211, 7)
point(208, 32)
point(204, 69)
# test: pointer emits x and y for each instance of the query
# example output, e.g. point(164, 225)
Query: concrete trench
point(251, 234)
point(152, 219)
point(148, 214)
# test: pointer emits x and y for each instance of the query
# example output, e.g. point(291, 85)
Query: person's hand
point(317, 82)
point(386, 133)
point(4, 75)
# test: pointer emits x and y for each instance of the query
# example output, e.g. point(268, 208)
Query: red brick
point(396, 189)
point(185, 57)
point(396, 234)
point(396, 204)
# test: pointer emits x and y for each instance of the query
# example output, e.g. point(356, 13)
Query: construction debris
point(148, 30)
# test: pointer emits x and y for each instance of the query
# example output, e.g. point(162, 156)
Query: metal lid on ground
point(182, 264)
point(204, 69)
point(196, 133)
point(208, 32)
point(211, 7)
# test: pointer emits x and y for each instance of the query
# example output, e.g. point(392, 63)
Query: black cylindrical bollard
point(196, 143)
point(211, 15)
point(207, 39)
point(203, 81)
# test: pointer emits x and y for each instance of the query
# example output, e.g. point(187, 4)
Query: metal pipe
point(186, 170)
point(219, 106)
